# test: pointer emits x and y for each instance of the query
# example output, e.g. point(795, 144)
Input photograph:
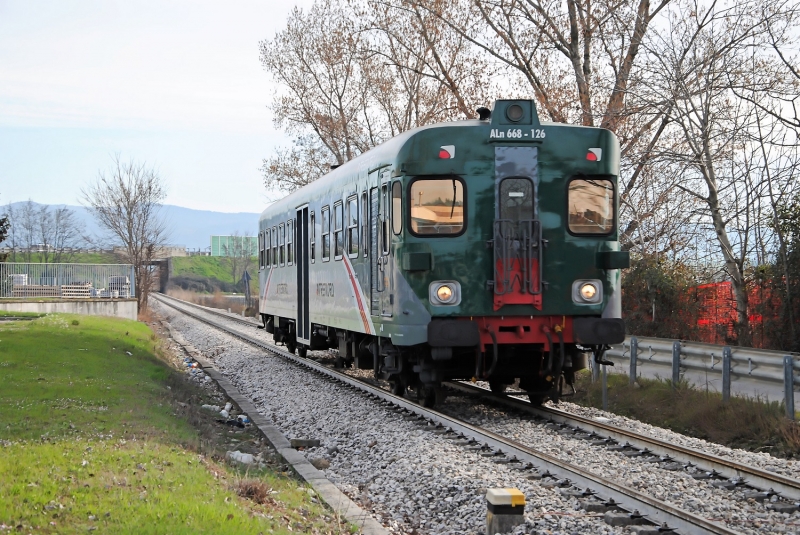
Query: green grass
point(92, 436)
point(210, 267)
point(77, 258)
point(16, 314)
point(214, 270)
point(744, 422)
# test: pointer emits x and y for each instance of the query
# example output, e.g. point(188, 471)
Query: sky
point(175, 84)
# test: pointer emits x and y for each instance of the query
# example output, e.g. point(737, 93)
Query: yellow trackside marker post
point(505, 510)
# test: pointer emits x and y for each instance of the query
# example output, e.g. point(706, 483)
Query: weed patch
point(748, 423)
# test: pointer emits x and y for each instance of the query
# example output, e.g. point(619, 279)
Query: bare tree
point(316, 61)
point(699, 62)
point(52, 232)
point(26, 222)
point(126, 202)
point(59, 232)
point(356, 74)
point(238, 254)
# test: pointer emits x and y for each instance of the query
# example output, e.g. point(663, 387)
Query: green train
point(480, 249)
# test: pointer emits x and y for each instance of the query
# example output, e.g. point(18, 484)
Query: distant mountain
point(190, 228)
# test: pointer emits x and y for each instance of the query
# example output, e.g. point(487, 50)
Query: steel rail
point(654, 510)
point(785, 486)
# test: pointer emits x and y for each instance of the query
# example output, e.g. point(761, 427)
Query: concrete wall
point(119, 308)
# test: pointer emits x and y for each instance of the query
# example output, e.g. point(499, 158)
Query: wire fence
point(66, 281)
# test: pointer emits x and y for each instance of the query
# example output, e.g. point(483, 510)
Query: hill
point(190, 228)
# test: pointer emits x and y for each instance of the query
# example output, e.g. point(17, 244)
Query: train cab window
point(364, 225)
point(338, 230)
point(260, 250)
point(289, 242)
point(397, 207)
point(281, 244)
point(326, 234)
point(436, 206)
point(312, 229)
point(352, 226)
point(591, 205)
point(516, 197)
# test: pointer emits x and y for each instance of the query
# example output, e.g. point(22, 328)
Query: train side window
point(338, 230)
point(397, 207)
point(352, 226)
point(267, 249)
point(590, 206)
point(312, 232)
point(282, 244)
point(274, 246)
point(290, 242)
point(386, 216)
point(326, 234)
point(364, 224)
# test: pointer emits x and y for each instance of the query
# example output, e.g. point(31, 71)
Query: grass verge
point(15, 314)
point(747, 423)
point(97, 433)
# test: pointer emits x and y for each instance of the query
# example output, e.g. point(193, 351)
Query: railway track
point(602, 493)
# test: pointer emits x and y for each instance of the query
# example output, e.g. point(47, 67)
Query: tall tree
point(355, 74)
point(126, 202)
point(4, 228)
point(698, 63)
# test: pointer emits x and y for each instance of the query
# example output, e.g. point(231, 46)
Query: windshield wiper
point(453, 207)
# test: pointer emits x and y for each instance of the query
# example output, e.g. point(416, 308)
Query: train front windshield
point(437, 206)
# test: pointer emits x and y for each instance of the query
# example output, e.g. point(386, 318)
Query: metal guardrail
point(26, 280)
point(759, 365)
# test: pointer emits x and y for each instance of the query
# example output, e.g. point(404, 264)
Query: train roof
point(379, 156)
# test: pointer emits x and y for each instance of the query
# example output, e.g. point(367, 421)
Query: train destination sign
point(517, 133)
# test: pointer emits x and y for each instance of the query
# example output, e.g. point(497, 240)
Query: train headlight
point(587, 292)
point(515, 113)
point(444, 293)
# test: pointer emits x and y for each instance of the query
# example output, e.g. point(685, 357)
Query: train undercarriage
point(545, 370)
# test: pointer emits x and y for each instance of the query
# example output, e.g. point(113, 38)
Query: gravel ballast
point(415, 481)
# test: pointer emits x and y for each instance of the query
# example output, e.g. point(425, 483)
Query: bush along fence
point(758, 365)
point(66, 281)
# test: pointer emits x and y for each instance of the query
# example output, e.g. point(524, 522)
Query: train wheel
point(397, 387)
point(338, 363)
point(536, 399)
point(291, 346)
point(302, 352)
point(430, 396)
point(497, 387)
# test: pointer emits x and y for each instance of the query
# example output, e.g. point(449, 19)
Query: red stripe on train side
point(354, 284)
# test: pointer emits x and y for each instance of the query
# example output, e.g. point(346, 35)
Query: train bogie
point(482, 249)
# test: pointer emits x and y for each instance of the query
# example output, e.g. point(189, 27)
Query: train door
point(386, 267)
point(517, 231)
point(301, 266)
point(374, 253)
